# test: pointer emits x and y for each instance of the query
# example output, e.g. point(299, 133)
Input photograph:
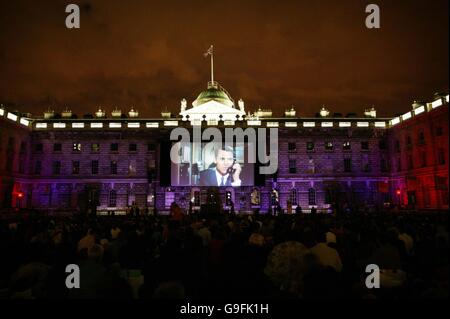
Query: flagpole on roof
point(211, 53)
point(212, 64)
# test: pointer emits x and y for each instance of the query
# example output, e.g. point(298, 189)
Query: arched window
point(293, 196)
point(112, 198)
point(255, 197)
point(312, 197)
point(274, 197)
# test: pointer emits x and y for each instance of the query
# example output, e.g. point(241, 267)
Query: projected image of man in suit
point(225, 172)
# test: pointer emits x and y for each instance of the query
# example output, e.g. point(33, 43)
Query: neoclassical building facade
point(63, 162)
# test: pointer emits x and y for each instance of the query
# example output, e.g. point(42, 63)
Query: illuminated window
point(76, 147)
point(346, 146)
point(95, 147)
point(310, 146)
point(228, 198)
point(328, 146)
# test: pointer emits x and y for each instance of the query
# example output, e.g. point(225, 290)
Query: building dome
point(216, 93)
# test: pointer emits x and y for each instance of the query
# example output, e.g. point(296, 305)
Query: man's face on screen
point(224, 160)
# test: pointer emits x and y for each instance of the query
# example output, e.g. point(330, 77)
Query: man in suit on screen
point(225, 172)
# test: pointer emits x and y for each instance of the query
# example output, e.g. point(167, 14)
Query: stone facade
point(57, 164)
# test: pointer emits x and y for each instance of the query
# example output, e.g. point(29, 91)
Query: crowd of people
point(182, 255)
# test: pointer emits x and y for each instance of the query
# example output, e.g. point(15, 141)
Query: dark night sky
point(273, 54)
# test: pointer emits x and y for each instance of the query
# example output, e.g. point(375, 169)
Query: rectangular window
point(439, 131)
point(292, 147)
point(38, 167)
point(151, 147)
point(310, 146)
point(38, 147)
point(328, 146)
point(114, 147)
point(112, 198)
point(410, 162)
point(22, 165)
point(113, 167)
point(408, 142)
point(293, 196)
point(95, 147)
point(23, 147)
point(292, 166)
point(364, 145)
point(57, 147)
point(421, 138)
point(132, 147)
point(441, 156)
point(383, 165)
point(312, 197)
point(94, 167)
point(75, 167)
point(423, 159)
point(347, 165)
point(56, 167)
point(382, 144)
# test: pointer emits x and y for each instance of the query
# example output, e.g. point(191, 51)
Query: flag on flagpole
point(209, 52)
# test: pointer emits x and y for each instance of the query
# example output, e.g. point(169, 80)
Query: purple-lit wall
point(300, 170)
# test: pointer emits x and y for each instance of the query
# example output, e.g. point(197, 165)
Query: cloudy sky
point(273, 54)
